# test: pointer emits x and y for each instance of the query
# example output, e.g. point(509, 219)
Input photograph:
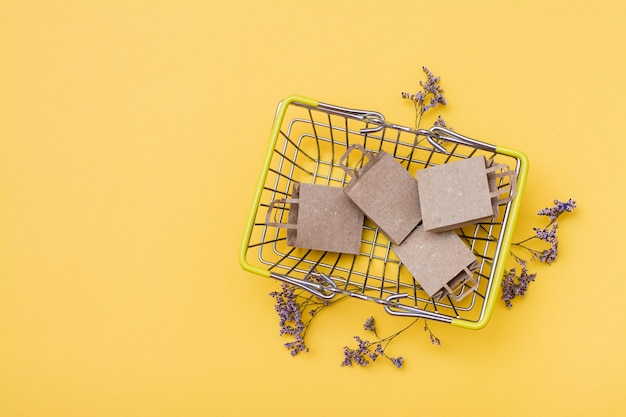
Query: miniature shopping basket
point(307, 140)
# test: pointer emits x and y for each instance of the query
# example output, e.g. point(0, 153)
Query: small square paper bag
point(385, 192)
point(322, 218)
point(440, 262)
point(459, 193)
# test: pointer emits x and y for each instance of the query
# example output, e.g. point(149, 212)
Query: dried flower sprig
point(292, 305)
point(513, 284)
point(290, 314)
point(433, 339)
point(559, 208)
point(442, 123)
point(428, 97)
point(368, 350)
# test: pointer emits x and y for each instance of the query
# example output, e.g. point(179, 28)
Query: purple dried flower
point(363, 353)
point(442, 123)
point(547, 235)
point(290, 318)
point(357, 356)
point(508, 287)
point(296, 346)
point(559, 208)
point(286, 307)
point(369, 324)
point(524, 279)
point(513, 285)
point(363, 344)
point(431, 81)
point(367, 351)
point(347, 356)
point(292, 304)
point(549, 255)
point(520, 261)
point(435, 340)
point(398, 362)
point(430, 95)
point(373, 355)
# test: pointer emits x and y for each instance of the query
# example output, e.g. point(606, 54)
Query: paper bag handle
point(510, 188)
point(467, 284)
point(271, 208)
point(351, 171)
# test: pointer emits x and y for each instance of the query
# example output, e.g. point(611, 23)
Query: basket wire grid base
point(307, 148)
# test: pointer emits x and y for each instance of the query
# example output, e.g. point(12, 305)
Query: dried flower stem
point(429, 96)
point(368, 350)
point(513, 284)
point(292, 304)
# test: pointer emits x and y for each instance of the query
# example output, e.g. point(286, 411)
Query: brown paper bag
point(385, 192)
point(463, 192)
point(322, 218)
point(440, 262)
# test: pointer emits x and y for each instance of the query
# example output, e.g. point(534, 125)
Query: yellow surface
point(132, 137)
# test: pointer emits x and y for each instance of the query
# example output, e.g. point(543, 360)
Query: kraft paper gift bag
point(320, 217)
point(440, 262)
point(463, 192)
point(385, 192)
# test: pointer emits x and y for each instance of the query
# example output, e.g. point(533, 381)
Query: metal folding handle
point(319, 290)
point(451, 136)
point(432, 135)
point(368, 116)
point(396, 309)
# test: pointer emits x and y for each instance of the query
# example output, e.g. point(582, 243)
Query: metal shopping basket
point(307, 139)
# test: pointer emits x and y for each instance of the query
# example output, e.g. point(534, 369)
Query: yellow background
point(132, 137)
